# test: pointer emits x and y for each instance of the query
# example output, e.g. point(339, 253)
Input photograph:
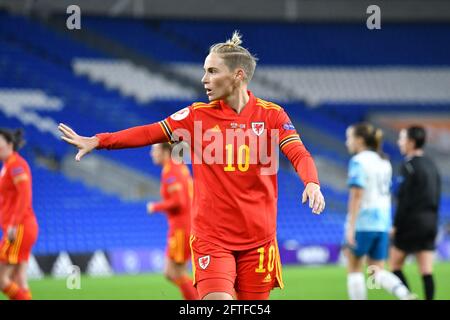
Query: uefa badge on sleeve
point(180, 115)
point(203, 262)
point(288, 126)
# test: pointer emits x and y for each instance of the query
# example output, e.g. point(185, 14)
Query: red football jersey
point(235, 186)
point(177, 194)
point(15, 192)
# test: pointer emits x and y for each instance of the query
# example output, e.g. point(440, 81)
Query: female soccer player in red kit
point(18, 221)
point(233, 234)
point(177, 192)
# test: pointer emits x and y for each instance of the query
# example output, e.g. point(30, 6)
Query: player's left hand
point(12, 232)
point(150, 207)
point(316, 199)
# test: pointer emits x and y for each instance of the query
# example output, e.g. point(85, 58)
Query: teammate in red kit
point(18, 221)
point(234, 140)
point(177, 193)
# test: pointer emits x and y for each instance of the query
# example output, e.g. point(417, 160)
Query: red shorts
point(217, 269)
point(19, 251)
point(178, 248)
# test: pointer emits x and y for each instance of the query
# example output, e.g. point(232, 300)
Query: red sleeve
point(22, 202)
point(294, 149)
point(175, 201)
point(174, 187)
point(179, 124)
point(133, 137)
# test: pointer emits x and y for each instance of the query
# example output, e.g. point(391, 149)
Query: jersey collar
point(246, 111)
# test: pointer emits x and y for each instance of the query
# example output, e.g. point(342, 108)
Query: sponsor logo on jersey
point(216, 128)
point(268, 278)
point(235, 125)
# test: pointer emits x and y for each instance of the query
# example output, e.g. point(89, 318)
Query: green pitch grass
point(301, 283)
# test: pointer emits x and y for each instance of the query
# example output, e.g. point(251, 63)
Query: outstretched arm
point(130, 138)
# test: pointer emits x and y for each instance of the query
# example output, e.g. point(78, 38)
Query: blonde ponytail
point(236, 39)
point(236, 56)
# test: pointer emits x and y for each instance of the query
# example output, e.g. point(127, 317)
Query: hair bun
point(236, 39)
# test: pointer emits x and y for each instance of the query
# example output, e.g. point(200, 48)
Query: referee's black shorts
point(417, 236)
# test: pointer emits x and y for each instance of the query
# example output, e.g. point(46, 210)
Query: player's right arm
point(130, 138)
point(135, 137)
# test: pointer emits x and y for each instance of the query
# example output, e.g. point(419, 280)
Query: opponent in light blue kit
point(369, 214)
point(372, 173)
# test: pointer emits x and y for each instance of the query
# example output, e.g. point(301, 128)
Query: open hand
point(316, 199)
point(84, 144)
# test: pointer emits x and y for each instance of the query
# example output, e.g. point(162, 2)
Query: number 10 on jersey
point(243, 158)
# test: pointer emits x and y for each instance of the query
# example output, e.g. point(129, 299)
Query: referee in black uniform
point(416, 218)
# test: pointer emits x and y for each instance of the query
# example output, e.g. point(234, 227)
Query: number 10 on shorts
point(270, 262)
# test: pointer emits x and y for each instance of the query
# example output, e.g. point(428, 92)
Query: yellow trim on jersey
point(191, 241)
point(279, 271)
point(267, 104)
point(204, 106)
point(5, 248)
point(179, 246)
point(288, 143)
point(164, 131)
point(167, 129)
point(262, 101)
point(14, 255)
point(289, 136)
point(168, 126)
point(198, 103)
point(267, 107)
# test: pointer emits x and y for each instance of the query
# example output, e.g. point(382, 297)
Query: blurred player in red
point(233, 235)
point(176, 192)
point(18, 221)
